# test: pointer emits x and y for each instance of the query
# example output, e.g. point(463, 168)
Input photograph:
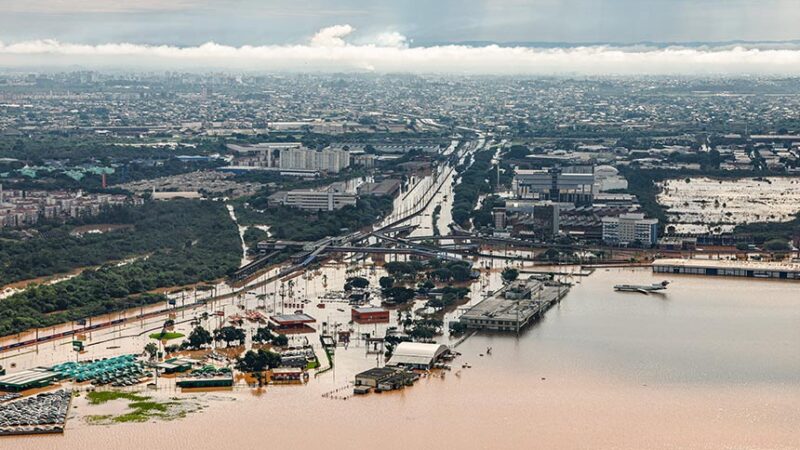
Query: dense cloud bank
point(330, 51)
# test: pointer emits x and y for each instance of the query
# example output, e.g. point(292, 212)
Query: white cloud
point(328, 50)
point(391, 39)
point(332, 36)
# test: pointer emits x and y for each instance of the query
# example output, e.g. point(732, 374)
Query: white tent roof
point(416, 353)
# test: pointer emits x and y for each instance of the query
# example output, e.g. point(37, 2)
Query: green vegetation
point(399, 295)
point(253, 235)
point(458, 328)
point(482, 217)
point(642, 184)
point(356, 282)
point(436, 269)
point(777, 245)
point(258, 361)
point(296, 224)
point(202, 229)
point(264, 335)
point(767, 231)
point(475, 179)
point(435, 218)
point(151, 349)
point(100, 397)
point(229, 334)
point(188, 241)
point(422, 329)
point(90, 148)
point(166, 336)
point(449, 295)
point(199, 338)
point(509, 274)
point(143, 408)
point(144, 411)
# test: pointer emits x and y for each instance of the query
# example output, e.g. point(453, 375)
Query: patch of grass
point(166, 336)
point(100, 397)
point(312, 365)
point(144, 410)
point(98, 419)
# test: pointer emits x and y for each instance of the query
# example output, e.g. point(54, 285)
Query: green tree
point(199, 338)
point(151, 349)
point(386, 282)
point(358, 282)
point(509, 274)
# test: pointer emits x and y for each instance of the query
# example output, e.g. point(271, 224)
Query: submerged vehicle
point(643, 289)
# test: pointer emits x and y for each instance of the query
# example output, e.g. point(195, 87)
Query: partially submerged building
point(515, 306)
point(291, 323)
point(386, 378)
point(38, 377)
point(369, 314)
point(417, 355)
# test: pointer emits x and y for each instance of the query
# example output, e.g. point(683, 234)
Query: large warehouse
point(417, 355)
point(27, 379)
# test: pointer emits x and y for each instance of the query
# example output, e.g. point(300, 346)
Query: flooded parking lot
point(704, 204)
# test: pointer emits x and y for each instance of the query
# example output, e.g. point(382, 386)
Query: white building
point(629, 228)
point(417, 355)
point(329, 198)
point(607, 178)
point(328, 160)
point(260, 155)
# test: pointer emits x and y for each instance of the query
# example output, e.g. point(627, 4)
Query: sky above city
point(602, 36)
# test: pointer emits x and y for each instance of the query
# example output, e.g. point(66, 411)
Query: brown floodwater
point(713, 363)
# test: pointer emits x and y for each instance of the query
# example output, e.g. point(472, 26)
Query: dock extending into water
point(515, 306)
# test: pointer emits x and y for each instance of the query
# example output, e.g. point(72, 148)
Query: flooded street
point(713, 363)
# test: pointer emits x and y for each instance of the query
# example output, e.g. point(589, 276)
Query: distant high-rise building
point(328, 160)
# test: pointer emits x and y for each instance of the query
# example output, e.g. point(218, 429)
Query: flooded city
point(623, 370)
point(246, 225)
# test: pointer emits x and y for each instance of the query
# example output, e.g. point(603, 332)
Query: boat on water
point(642, 288)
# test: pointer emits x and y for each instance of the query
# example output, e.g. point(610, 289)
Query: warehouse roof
point(416, 353)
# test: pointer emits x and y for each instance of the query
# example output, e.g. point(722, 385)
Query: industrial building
point(384, 379)
point(385, 188)
point(515, 306)
point(571, 185)
point(417, 355)
point(291, 323)
point(329, 198)
point(730, 268)
point(208, 377)
point(630, 228)
point(287, 375)
point(28, 379)
point(369, 314)
point(175, 365)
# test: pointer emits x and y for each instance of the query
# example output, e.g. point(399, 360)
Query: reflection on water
point(713, 363)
